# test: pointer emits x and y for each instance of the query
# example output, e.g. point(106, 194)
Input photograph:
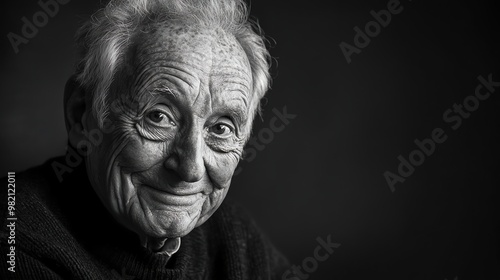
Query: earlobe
point(74, 111)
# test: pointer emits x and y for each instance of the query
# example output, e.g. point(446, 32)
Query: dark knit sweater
point(64, 232)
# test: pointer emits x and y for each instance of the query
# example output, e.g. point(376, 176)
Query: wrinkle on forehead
point(204, 45)
point(209, 61)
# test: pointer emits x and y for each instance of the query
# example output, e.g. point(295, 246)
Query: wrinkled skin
point(177, 140)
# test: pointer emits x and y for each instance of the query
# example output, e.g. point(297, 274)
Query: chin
point(149, 217)
point(168, 224)
point(171, 224)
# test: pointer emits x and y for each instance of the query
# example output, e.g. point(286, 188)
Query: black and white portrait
point(237, 139)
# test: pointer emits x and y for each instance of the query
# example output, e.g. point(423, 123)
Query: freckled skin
point(162, 179)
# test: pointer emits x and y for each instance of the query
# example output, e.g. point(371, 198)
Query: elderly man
point(161, 105)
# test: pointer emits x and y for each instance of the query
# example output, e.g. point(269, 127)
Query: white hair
point(105, 38)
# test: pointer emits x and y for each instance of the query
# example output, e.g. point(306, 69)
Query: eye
point(159, 118)
point(157, 124)
point(222, 129)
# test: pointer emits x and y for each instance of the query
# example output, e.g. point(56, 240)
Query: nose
point(187, 160)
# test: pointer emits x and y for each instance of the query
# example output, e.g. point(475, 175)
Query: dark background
point(323, 174)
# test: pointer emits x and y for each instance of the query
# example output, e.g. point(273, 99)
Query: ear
point(75, 111)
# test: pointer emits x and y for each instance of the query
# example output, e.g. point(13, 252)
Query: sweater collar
point(167, 246)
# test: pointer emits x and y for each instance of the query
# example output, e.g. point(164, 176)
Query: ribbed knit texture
point(64, 232)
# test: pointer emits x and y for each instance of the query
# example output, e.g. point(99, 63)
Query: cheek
point(212, 204)
point(140, 155)
point(220, 168)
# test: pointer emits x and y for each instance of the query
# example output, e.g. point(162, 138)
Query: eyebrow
point(237, 110)
point(239, 115)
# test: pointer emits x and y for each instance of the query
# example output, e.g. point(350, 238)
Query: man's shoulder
point(36, 184)
point(24, 188)
point(36, 205)
point(40, 232)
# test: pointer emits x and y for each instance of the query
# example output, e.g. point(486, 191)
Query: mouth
point(174, 198)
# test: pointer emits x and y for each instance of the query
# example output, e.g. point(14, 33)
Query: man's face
point(181, 116)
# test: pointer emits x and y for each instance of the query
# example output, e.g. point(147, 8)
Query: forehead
point(206, 68)
point(203, 49)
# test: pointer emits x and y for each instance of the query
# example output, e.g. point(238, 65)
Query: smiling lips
point(182, 196)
